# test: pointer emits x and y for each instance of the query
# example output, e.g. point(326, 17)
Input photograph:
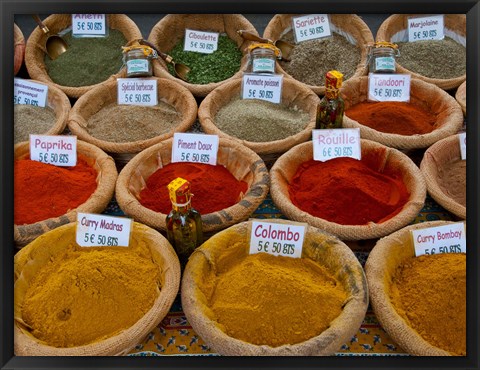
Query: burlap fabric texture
point(37, 254)
point(19, 48)
point(461, 96)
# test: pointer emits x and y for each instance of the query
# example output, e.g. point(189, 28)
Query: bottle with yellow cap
point(138, 58)
point(262, 58)
point(331, 108)
point(184, 224)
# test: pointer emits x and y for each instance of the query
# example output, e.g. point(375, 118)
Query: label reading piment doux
point(462, 138)
point(426, 28)
point(261, 87)
point(334, 143)
point(102, 231)
point(449, 238)
point(200, 41)
point(389, 87)
point(195, 148)
point(89, 25)
point(29, 93)
point(58, 150)
point(137, 91)
point(312, 26)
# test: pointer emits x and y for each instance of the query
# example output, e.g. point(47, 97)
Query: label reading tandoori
point(200, 41)
point(389, 87)
point(426, 28)
point(89, 25)
point(59, 150)
point(29, 93)
point(335, 143)
point(95, 230)
point(449, 238)
point(195, 148)
point(262, 87)
point(462, 138)
point(312, 26)
point(137, 91)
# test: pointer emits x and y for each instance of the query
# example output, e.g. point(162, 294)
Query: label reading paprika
point(200, 41)
point(463, 144)
point(449, 238)
point(335, 143)
point(29, 93)
point(262, 87)
point(102, 231)
point(54, 149)
point(137, 91)
point(389, 87)
point(277, 238)
point(312, 26)
point(195, 148)
point(426, 28)
point(89, 25)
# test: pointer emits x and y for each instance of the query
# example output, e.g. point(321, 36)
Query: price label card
point(426, 28)
point(102, 231)
point(29, 93)
point(195, 148)
point(262, 87)
point(89, 25)
point(277, 238)
point(334, 143)
point(312, 26)
point(55, 149)
point(463, 144)
point(389, 87)
point(449, 238)
point(200, 41)
point(137, 91)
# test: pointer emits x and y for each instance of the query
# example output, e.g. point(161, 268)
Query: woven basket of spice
point(223, 194)
point(431, 115)
point(439, 62)
point(19, 49)
point(47, 196)
point(352, 199)
point(207, 71)
point(95, 301)
point(267, 128)
point(266, 305)
point(419, 301)
point(87, 62)
point(346, 50)
point(48, 120)
point(125, 130)
point(446, 175)
point(461, 96)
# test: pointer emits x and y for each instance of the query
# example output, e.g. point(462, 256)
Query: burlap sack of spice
point(19, 48)
point(461, 96)
point(286, 166)
point(319, 246)
point(98, 201)
point(106, 93)
point(35, 51)
point(394, 29)
point(449, 117)
point(350, 26)
point(437, 156)
point(294, 94)
point(388, 253)
point(37, 254)
point(171, 29)
point(241, 162)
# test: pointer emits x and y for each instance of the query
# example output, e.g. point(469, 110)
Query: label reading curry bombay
point(449, 238)
point(335, 143)
point(89, 25)
point(102, 231)
point(195, 148)
point(200, 41)
point(463, 144)
point(389, 87)
point(137, 91)
point(425, 28)
point(279, 239)
point(262, 87)
point(54, 149)
point(312, 26)
point(29, 93)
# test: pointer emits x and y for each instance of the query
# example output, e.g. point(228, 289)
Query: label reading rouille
point(426, 28)
point(59, 150)
point(137, 91)
point(312, 26)
point(335, 143)
point(449, 238)
point(95, 230)
point(195, 148)
point(389, 87)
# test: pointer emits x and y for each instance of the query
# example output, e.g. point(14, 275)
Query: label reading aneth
point(29, 93)
point(137, 91)
point(449, 238)
point(462, 138)
point(312, 26)
point(95, 230)
point(195, 148)
point(200, 41)
point(89, 25)
point(335, 143)
point(59, 150)
point(389, 87)
point(426, 28)
point(263, 87)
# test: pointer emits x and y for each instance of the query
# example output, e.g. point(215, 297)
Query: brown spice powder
point(452, 180)
point(32, 120)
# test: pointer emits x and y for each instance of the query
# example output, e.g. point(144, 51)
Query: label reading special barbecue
point(449, 238)
point(137, 91)
point(389, 87)
point(89, 25)
point(312, 26)
point(462, 138)
point(426, 28)
point(59, 150)
point(102, 231)
point(200, 41)
point(262, 87)
point(195, 148)
point(335, 143)
point(29, 93)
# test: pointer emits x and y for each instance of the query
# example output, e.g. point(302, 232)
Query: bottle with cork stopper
point(331, 108)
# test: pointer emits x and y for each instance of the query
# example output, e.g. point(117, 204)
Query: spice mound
point(348, 191)
point(85, 296)
point(429, 293)
point(260, 120)
point(452, 180)
point(30, 119)
point(43, 191)
point(87, 61)
point(393, 117)
point(129, 123)
point(276, 300)
point(213, 187)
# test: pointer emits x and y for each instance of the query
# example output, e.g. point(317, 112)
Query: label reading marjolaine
point(426, 28)
point(262, 87)
point(102, 231)
point(137, 91)
point(54, 149)
point(195, 148)
point(284, 239)
point(449, 238)
point(90, 25)
point(462, 138)
point(200, 41)
point(335, 143)
point(309, 27)
point(29, 93)
point(389, 87)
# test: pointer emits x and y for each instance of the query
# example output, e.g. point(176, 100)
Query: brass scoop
point(285, 47)
point(54, 45)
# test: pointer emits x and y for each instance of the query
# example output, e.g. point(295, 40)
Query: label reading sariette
point(102, 231)
point(312, 26)
point(137, 91)
point(462, 138)
point(449, 238)
point(55, 149)
point(262, 87)
point(89, 25)
point(29, 93)
point(195, 148)
point(334, 143)
point(389, 87)
point(200, 41)
point(284, 239)
point(426, 28)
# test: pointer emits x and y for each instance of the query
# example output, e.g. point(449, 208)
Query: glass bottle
point(331, 108)
point(382, 57)
point(263, 58)
point(184, 224)
point(138, 60)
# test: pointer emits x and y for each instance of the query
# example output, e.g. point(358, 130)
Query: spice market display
point(185, 186)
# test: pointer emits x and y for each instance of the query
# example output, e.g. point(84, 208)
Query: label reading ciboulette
point(59, 150)
point(137, 91)
point(426, 28)
point(312, 26)
point(449, 238)
point(195, 148)
point(29, 93)
point(89, 25)
point(462, 138)
point(200, 41)
point(335, 143)
point(389, 87)
point(262, 87)
point(95, 230)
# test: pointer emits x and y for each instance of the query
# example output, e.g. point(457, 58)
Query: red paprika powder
point(43, 191)
point(393, 117)
point(213, 187)
point(348, 191)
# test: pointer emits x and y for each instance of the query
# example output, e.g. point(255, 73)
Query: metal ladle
point(54, 45)
point(284, 46)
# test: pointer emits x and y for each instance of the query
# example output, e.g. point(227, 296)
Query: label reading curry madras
point(54, 149)
point(195, 148)
point(449, 238)
point(102, 231)
point(334, 143)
